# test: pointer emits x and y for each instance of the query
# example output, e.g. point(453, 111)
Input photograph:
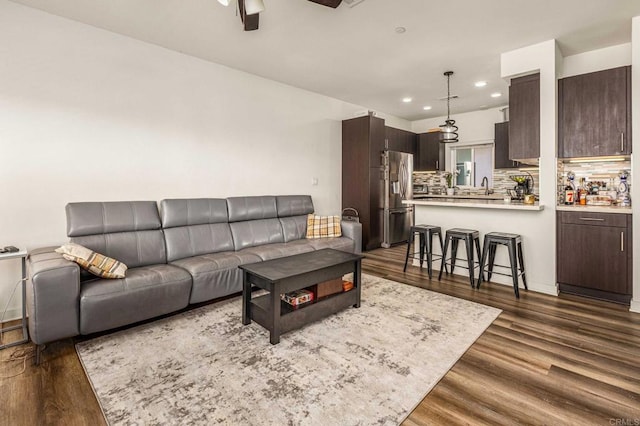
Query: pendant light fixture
point(448, 130)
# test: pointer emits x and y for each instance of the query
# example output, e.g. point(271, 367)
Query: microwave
point(420, 189)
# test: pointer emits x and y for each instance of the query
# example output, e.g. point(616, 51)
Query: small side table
point(22, 254)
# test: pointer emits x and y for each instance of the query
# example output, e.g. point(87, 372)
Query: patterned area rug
point(364, 366)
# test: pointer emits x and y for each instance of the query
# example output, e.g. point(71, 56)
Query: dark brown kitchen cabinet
point(594, 255)
point(429, 153)
point(501, 147)
point(400, 140)
point(362, 146)
point(594, 114)
point(524, 117)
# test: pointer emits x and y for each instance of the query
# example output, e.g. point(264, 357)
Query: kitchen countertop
point(419, 196)
point(594, 209)
point(475, 203)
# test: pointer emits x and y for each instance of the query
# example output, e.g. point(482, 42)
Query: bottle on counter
point(570, 190)
point(582, 192)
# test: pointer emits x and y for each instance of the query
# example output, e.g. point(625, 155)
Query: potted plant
point(449, 178)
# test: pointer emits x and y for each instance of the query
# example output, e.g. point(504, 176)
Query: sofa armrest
point(353, 230)
point(53, 296)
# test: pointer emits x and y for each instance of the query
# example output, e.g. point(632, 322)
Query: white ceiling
point(354, 54)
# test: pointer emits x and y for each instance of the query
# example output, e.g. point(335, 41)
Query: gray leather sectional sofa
point(187, 252)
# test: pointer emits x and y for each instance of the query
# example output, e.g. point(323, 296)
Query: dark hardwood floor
point(545, 360)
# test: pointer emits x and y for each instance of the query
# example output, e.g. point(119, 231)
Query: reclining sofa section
point(187, 253)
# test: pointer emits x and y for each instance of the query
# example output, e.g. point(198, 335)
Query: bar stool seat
point(425, 233)
point(513, 242)
point(470, 237)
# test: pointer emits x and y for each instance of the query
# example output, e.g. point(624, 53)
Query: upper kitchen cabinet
point(524, 117)
point(501, 143)
point(594, 114)
point(362, 146)
point(429, 153)
point(400, 140)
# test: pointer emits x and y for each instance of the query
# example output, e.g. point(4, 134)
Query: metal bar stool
point(425, 233)
point(514, 244)
point(470, 238)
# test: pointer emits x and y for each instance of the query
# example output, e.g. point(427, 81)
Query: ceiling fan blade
point(330, 3)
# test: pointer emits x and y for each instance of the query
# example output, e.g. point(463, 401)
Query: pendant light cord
point(448, 96)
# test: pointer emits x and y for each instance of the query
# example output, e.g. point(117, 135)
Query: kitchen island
point(481, 203)
point(491, 215)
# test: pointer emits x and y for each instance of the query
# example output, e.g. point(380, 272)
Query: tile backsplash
point(605, 171)
point(501, 180)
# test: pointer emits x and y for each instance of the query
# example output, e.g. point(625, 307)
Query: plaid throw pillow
point(96, 263)
point(323, 226)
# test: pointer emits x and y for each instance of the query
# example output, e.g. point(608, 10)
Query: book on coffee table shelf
point(327, 288)
point(298, 297)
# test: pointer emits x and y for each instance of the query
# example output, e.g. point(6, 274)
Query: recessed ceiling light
point(426, 107)
point(406, 100)
point(401, 30)
point(480, 83)
point(496, 95)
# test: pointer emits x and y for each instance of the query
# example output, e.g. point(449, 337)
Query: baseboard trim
point(550, 289)
point(634, 306)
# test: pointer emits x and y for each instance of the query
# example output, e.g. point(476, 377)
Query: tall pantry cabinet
point(362, 147)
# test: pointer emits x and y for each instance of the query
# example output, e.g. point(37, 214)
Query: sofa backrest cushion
point(92, 218)
point(193, 211)
point(293, 205)
point(292, 211)
point(193, 227)
point(253, 233)
point(128, 231)
point(294, 227)
point(251, 208)
point(254, 221)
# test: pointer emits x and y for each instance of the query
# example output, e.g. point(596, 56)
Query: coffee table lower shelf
point(292, 318)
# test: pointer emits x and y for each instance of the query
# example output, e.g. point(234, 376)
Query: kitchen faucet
point(485, 185)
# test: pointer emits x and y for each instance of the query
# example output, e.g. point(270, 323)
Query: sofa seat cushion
point(215, 274)
point(145, 292)
point(277, 250)
point(338, 243)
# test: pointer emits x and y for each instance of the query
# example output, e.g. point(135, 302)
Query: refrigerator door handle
point(403, 180)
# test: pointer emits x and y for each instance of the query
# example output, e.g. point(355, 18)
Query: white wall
point(597, 60)
point(88, 115)
point(546, 59)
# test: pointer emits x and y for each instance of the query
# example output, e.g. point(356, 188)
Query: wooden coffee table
point(296, 272)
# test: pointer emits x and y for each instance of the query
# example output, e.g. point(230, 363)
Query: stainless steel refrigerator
point(397, 180)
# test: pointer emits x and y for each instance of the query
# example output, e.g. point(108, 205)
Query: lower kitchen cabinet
point(594, 255)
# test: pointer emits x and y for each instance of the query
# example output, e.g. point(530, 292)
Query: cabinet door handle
point(592, 219)
point(621, 240)
point(437, 168)
point(622, 142)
